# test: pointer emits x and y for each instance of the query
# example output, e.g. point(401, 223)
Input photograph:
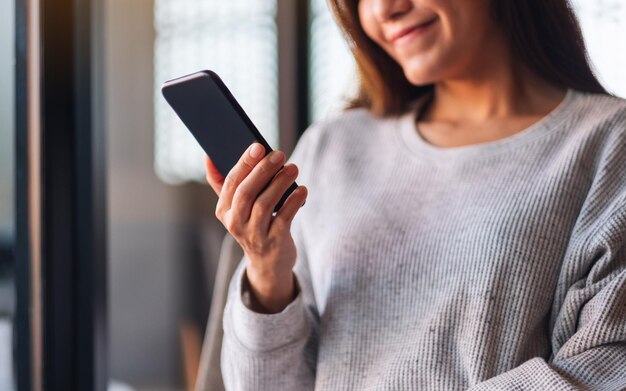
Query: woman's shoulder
point(601, 123)
point(350, 129)
point(608, 99)
point(344, 122)
point(597, 120)
point(607, 109)
point(338, 135)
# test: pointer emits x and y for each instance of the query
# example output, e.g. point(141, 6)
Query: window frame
point(60, 203)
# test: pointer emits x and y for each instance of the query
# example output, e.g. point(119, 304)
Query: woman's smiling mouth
point(405, 35)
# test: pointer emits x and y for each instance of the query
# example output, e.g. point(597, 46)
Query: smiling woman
point(543, 36)
point(465, 217)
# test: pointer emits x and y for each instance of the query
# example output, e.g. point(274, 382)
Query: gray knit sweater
point(493, 266)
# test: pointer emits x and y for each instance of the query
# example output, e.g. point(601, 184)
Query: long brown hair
point(545, 36)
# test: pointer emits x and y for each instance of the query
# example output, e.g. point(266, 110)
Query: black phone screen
point(216, 120)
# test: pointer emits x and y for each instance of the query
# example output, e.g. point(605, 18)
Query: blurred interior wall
point(143, 283)
point(152, 227)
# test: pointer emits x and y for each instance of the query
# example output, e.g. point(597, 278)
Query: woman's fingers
point(282, 221)
point(237, 174)
point(213, 176)
point(248, 190)
point(253, 183)
point(263, 207)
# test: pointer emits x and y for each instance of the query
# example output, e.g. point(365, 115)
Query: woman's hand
point(246, 210)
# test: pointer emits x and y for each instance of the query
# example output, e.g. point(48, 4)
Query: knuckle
point(248, 162)
point(283, 220)
point(231, 179)
point(265, 168)
point(287, 180)
point(243, 194)
point(279, 223)
point(232, 226)
point(288, 175)
point(263, 205)
point(291, 171)
point(219, 211)
point(257, 213)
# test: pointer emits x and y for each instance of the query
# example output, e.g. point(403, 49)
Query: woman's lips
point(406, 35)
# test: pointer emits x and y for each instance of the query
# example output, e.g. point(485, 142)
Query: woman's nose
point(385, 10)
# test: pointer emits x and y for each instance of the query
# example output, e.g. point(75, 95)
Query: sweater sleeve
point(588, 322)
point(266, 351)
point(273, 351)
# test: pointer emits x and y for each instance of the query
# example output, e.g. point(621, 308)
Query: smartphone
point(216, 120)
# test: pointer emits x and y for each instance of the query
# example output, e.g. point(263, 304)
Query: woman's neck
point(463, 112)
point(496, 90)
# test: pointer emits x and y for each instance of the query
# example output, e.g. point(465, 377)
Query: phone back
point(216, 120)
point(213, 116)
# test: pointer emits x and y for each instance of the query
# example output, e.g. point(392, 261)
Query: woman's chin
point(419, 78)
point(419, 73)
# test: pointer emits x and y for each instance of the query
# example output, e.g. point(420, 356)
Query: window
point(238, 40)
point(332, 73)
point(604, 27)
point(235, 38)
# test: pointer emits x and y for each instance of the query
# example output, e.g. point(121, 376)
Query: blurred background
point(164, 238)
point(286, 63)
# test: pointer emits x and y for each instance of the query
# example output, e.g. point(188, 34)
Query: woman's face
point(433, 40)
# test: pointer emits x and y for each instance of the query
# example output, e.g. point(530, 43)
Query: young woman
point(466, 223)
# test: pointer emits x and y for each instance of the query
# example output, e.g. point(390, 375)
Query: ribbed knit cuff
point(264, 332)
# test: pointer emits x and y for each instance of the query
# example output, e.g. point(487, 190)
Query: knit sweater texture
point(492, 266)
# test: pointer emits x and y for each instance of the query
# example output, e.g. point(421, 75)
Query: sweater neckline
point(412, 139)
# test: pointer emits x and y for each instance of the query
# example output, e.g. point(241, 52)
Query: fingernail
point(276, 157)
point(256, 150)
